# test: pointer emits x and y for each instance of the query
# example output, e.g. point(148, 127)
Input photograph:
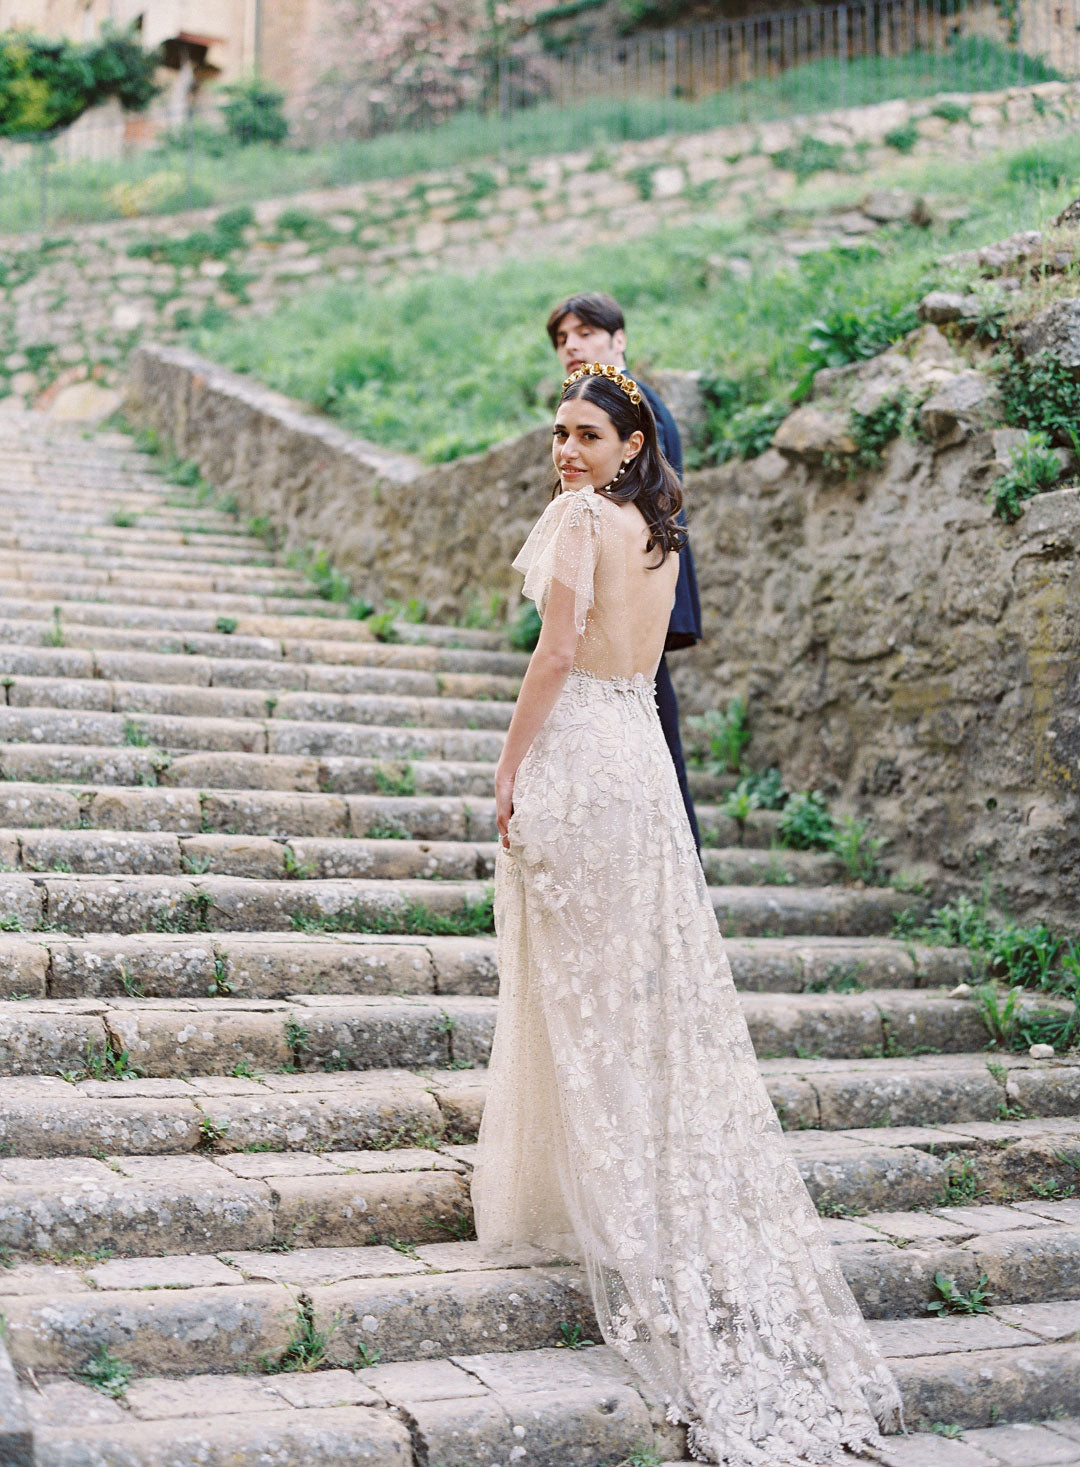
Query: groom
point(590, 328)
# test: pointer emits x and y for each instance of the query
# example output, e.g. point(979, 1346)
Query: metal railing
point(533, 101)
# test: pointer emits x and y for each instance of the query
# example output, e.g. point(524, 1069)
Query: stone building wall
point(898, 646)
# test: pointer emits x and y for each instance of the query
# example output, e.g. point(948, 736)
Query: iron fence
point(538, 99)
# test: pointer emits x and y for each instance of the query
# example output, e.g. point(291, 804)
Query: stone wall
point(899, 647)
point(72, 308)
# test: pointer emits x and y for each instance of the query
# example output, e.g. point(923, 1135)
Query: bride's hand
point(504, 804)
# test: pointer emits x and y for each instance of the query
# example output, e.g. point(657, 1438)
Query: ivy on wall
point(46, 83)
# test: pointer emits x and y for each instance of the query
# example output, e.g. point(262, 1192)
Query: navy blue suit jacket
point(684, 628)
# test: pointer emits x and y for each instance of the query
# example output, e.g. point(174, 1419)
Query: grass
point(168, 179)
point(418, 366)
point(106, 1374)
point(412, 917)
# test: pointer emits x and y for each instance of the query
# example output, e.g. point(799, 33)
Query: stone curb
point(16, 1436)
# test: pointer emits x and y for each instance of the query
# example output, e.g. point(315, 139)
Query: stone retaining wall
point(73, 307)
point(899, 647)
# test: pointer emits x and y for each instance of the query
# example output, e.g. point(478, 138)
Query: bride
point(626, 1124)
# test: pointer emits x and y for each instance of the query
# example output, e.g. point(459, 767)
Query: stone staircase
point(247, 992)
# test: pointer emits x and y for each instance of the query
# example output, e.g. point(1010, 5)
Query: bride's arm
point(548, 670)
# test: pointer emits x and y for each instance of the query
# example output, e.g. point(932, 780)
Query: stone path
point(248, 996)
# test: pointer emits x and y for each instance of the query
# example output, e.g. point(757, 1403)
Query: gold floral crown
point(604, 369)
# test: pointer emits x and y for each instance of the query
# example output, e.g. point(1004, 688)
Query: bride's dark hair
point(649, 481)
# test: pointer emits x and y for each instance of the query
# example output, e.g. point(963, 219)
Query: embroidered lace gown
point(626, 1124)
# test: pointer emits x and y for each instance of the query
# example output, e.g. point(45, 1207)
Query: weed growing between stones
point(219, 985)
point(54, 636)
point(135, 734)
point(398, 780)
point(525, 628)
point(963, 1183)
point(298, 1038)
point(191, 914)
point(366, 1357)
point(11, 922)
point(722, 737)
point(947, 1429)
point(124, 519)
point(572, 1337)
point(226, 625)
point(1040, 394)
point(1034, 468)
point(212, 1134)
point(642, 1457)
point(871, 431)
point(195, 865)
point(386, 830)
point(415, 918)
point(294, 868)
point(106, 1374)
point(954, 1301)
point(307, 1345)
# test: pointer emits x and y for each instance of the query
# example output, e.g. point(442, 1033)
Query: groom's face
point(576, 342)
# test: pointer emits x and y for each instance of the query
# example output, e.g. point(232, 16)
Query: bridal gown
point(626, 1124)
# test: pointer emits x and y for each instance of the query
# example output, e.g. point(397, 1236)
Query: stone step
point(182, 700)
point(280, 964)
point(104, 614)
point(224, 1303)
point(384, 855)
point(281, 814)
point(180, 733)
point(225, 674)
point(289, 647)
point(896, 1115)
point(253, 580)
point(96, 903)
point(156, 549)
point(93, 765)
point(564, 1407)
point(218, 1139)
point(215, 1035)
point(101, 694)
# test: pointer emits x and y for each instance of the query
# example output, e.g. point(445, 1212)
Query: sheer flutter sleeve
point(563, 546)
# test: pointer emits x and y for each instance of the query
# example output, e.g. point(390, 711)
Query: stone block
point(353, 1210)
point(213, 1395)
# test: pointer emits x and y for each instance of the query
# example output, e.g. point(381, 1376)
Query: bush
point(525, 628)
point(1034, 468)
point(809, 156)
point(1042, 395)
point(856, 333)
point(46, 84)
point(255, 112)
point(724, 736)
point(806, 824)
point(902, 138)
point(873, 430)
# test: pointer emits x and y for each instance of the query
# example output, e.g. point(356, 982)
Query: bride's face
point(585, 446)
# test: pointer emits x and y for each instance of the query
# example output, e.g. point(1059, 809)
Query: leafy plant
point(808, 156)
point(950, 111)
point(306, 1349)
point(766, 788)
point(255, 112)
point(806, 824)
point(962, 1183)
point(572, 1336)
point(724, 736)
point(871, 431)
point(1040, 394)
point(106, 1374)
point(135, 734)
point(1034, 467)
point(524, 630)
point(902, 138)
point(954, 1301)
point(46, 83)
point(858, 849)
point(856, 333)
point(999, 1015)
point(399, 781)
point(226, 625)
point(736, 425)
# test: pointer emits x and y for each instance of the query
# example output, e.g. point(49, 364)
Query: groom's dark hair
point(592, 307)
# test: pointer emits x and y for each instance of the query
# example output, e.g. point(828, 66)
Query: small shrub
point(747, 432)
point(902, 138)
point(806, 824)
point(808, 156)
point(873, 430)
point(856, 333)
point(106, 1374)
point(1034, 467)
point(524, 630)
point(255, 112)
point(954, 1301)
point(1041, 395)
point(724, 736)
point(859, 851)
point(951, 111)
point(766, 788)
